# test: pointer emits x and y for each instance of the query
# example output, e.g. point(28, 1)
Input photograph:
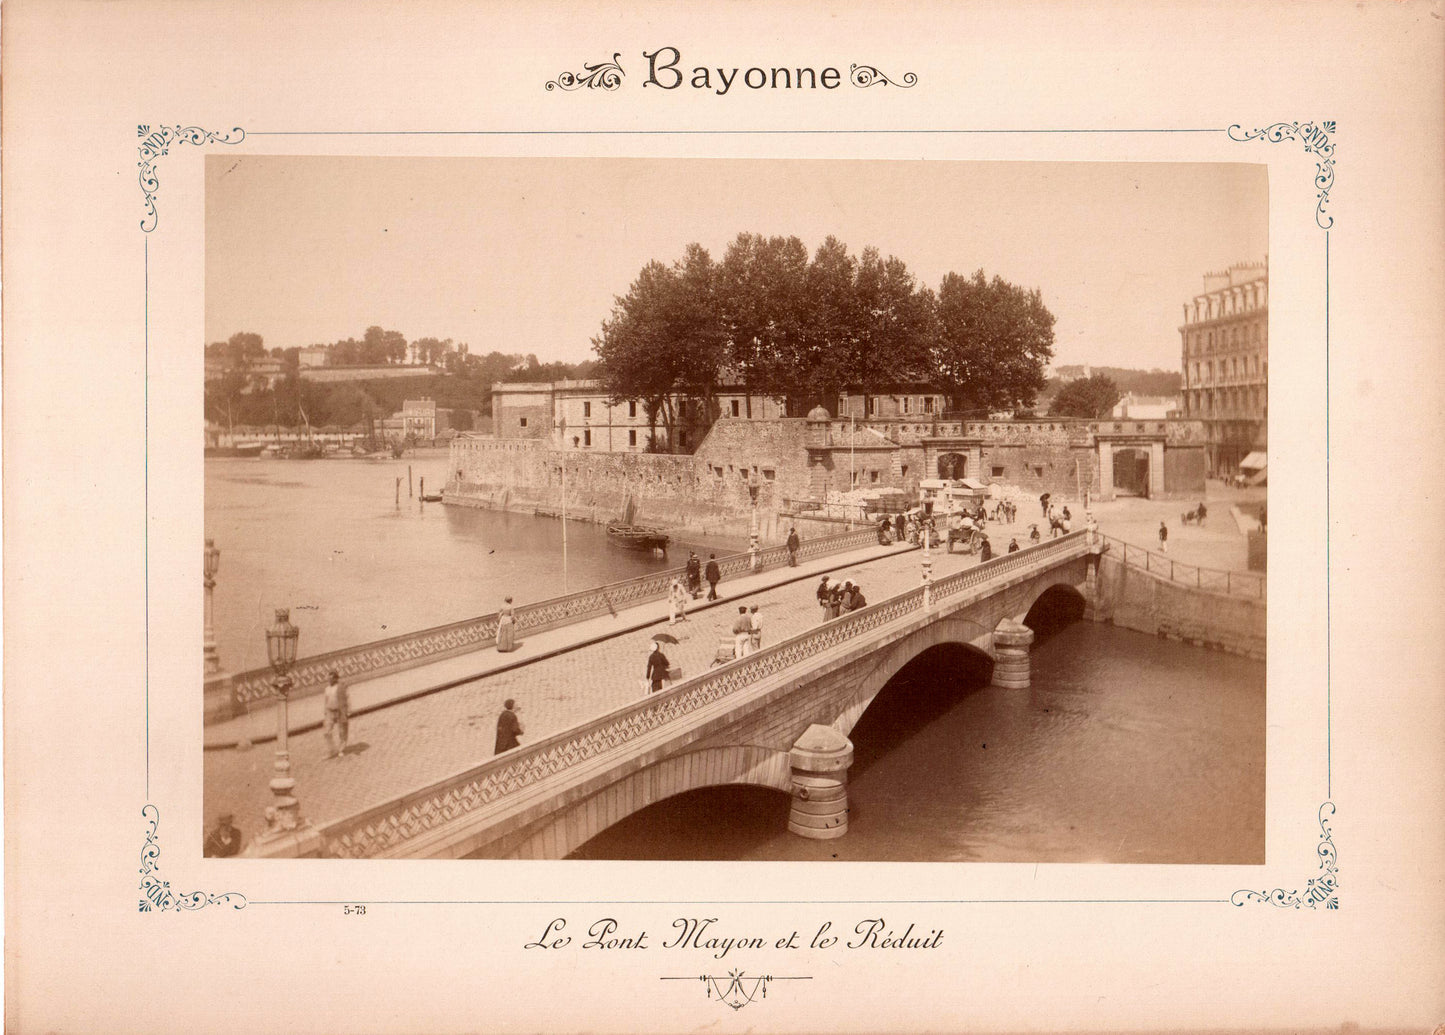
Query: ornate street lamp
point(281, 641)
point(212, 565)
point(753, 556)
point(927, 558)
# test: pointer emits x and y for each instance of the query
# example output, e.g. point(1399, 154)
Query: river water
point(1127, 749)
point(328, 539)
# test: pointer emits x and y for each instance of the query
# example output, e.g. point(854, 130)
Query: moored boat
point(637, 537)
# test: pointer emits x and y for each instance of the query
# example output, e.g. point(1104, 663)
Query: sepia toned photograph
point(735, 509)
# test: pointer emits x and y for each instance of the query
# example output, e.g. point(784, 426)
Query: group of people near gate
point(837, 598)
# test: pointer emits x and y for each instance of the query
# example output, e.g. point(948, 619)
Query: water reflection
point(330, 540)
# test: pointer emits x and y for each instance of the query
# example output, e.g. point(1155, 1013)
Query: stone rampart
point(1144, 602)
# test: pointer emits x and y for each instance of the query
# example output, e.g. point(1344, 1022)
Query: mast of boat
point(564, 522)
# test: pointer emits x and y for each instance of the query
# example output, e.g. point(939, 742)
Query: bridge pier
point(820, 759)
point(1011, 642)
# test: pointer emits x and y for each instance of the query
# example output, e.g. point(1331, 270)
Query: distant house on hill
point(1145, 407)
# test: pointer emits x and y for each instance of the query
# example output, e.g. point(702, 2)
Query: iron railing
point(309, 675)
point(1211, 580)
point(385, 827)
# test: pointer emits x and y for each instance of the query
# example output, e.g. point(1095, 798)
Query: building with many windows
point(1225, 363)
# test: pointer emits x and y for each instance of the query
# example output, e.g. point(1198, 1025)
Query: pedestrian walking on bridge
point(337, 714)
point(506, 627)
point(793, 544)
point(756, 634)
point(694, 575)
point(677, 601)
point(714, 576)
point(509, 727)
point(742, 633)
point(1163, 537)
point(657, 667)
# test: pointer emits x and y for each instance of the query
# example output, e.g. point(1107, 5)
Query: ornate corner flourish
point(156, 143)
point(156, 894)
point(605, 74)
point(737, 988)
point(1316, 140)
point(867, 75)
point(1320, 891)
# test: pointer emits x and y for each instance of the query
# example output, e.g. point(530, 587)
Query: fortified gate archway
point(952, 465)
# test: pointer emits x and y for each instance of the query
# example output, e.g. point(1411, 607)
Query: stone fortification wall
point(773, 453)
point(789, 460)
point(1146, 603)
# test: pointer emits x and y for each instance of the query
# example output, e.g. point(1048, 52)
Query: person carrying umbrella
point(657, 666)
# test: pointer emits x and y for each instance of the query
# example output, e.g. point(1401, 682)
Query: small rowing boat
point(637, 537)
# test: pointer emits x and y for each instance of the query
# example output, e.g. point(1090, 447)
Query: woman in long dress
point(506, 628)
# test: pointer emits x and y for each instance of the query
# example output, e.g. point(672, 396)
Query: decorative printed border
point(867, 75)
point(605, 74)
point(156, 894)
point(157, 144)
point(1316, 139)
point(741, 989)
point(1321, 890)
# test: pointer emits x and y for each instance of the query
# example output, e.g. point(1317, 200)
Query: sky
point(527, 255)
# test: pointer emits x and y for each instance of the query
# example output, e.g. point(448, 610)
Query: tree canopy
point(1089, 397)
point(778, 322)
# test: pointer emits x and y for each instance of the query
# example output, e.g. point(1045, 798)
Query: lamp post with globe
point(212, 566)
point(753, 556)
point(927, 558)
point(281, 640)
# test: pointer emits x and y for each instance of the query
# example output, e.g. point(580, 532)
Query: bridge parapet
point(1211, 580)
point(309, 676)
point(516, 779)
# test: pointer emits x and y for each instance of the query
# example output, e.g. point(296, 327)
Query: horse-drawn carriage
point(963, 530)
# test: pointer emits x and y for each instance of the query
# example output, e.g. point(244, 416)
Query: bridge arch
point(1056, 606)
point(565, 830)
point(956, 631)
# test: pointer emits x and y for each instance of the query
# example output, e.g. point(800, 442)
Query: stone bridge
point(777, 718)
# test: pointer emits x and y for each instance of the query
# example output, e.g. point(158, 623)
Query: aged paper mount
point(104, 260)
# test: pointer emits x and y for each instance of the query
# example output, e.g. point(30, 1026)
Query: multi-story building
point(1225, 363)
point(580, 415)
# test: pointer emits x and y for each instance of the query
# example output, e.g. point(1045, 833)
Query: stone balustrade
point(386, 829)
point(309, 675)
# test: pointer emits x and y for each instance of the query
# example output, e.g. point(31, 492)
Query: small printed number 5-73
point(353, 910)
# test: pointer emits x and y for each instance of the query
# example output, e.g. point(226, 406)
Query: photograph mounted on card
point(710, 509)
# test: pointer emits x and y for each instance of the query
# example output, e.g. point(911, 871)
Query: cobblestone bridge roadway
point(412, 743)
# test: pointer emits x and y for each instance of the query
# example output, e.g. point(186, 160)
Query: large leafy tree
point(664, 338)
point(1090, 397)
point(894, 324)
point(761, 284)
point(994, 340)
